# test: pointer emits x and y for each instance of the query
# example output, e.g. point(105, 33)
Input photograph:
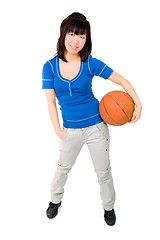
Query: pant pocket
point(103, 128)
point(66, 130)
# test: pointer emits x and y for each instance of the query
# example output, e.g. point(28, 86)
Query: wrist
point(58, 131)
point(139, 106)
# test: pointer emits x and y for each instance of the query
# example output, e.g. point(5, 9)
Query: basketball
point(116, 108)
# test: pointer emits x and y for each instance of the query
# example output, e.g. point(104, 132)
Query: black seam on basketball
point(119, 106)
point(108, 113)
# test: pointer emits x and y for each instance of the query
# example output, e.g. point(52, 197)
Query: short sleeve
point(99, 68)
point(47, 76)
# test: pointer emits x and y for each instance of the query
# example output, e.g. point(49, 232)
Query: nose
point(75, 39)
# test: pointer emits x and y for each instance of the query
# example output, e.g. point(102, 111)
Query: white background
point(125, 35)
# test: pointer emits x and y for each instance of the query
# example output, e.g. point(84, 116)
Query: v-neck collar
point(65, 79)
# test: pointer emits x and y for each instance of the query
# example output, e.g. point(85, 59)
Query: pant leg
point(70, 147)
point(98, 142)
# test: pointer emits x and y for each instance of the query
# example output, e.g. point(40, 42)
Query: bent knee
point(104, 175)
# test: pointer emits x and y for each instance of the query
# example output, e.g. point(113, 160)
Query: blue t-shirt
point(78, 105)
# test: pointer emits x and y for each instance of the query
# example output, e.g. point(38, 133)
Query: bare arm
point(53, 113)
point(125, 84)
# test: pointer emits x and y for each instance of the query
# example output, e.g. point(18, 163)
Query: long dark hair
point(78, 24)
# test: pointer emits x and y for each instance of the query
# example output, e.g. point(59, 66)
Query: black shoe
point(52, 210)
point(110, 217)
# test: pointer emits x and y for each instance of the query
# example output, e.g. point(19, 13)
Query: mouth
point(73, 47)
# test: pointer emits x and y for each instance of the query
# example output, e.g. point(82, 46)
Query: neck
point(71, 57)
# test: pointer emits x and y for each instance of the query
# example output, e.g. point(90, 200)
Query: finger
point(133, 119)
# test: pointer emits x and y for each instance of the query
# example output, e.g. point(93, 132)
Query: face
point(74, 43)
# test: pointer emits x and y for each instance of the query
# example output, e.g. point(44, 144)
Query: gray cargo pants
point(98, 140)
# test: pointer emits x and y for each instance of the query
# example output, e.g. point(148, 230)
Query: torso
point(69, 70)
point(75, 97)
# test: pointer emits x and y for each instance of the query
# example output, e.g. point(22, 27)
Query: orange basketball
point(116, 108)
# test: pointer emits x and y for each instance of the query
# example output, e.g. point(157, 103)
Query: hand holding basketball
point(136, 115)
point(117, 108)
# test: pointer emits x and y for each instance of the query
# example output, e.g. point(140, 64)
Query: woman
point(68, 76)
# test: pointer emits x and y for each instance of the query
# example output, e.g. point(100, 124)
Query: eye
point(71, 34)
point(83, 37)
